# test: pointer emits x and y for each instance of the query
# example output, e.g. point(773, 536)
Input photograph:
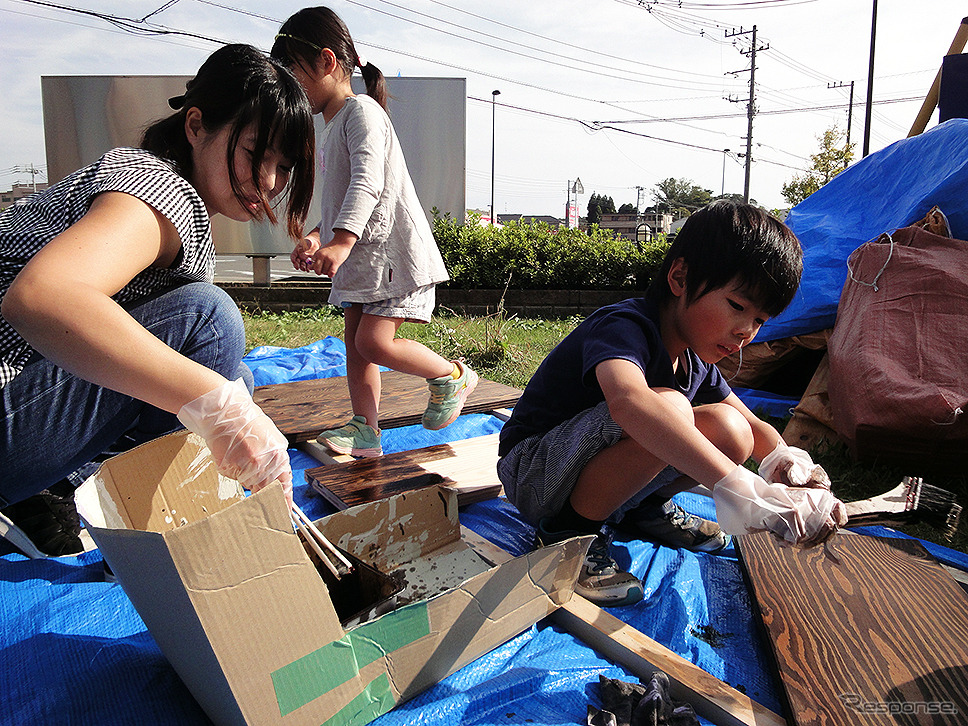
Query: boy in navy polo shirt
point(630, 409)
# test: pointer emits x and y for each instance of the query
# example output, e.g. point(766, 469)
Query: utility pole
point(751, 104)
point(870, 86)
point(32, 170)
point(850, 109)
point(494, 95)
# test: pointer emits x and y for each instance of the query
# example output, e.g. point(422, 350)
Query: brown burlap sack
point(899, 351)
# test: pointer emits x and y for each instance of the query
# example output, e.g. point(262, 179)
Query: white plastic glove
point(793, 467)
point(244, 442)
point(746, 503)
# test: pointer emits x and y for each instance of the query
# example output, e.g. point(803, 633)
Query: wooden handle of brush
point(321, 538)
point(315, 545)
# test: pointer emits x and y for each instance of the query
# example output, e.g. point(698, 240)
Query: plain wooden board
point(861, 623)
point(467, 466)
point(303, 409)
point(711, 698)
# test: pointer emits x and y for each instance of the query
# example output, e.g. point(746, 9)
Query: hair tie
point(360, 61)
point(176, 102)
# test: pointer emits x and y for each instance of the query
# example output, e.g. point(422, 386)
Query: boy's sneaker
point(44, 525)
point(447, 397)
point(356, 438)
point(670, 525)
point(600, 579)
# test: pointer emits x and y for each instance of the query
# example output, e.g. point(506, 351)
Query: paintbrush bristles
point(934, 505)
point(909, 502)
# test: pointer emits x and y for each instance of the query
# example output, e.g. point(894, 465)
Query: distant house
point(19, 191)
point(636, 227)
point(527, 218)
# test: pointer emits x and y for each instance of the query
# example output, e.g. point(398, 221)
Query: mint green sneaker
point(447, 397)
point(355, 438)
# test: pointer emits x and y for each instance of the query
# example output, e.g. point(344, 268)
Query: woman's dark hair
point(306, 33)
point(239, 86)
point(728, 241)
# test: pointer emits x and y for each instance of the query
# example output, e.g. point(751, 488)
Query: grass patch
point(509, 349)
point(501, 348)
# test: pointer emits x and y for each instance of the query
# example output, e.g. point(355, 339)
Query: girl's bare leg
point(362, 375)
point(376, 342)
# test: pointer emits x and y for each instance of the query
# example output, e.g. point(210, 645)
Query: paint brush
point(327, 552)
point(913, 500)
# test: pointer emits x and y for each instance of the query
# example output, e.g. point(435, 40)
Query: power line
point(131, 25)
point(759, 112)
point(600, 126)
point(584, 68)
point(597, 52)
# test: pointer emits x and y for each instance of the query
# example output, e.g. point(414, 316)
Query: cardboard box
point(231, 596)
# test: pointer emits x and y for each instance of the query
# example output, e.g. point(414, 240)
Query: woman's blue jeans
point(52, 423)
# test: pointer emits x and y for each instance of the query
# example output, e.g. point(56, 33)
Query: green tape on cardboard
point(375, 701)
point(309, 677)
point(372, 640)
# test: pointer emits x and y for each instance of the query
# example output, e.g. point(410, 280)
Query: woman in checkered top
point(111, 327)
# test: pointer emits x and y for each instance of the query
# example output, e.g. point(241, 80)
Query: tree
point(627, 208)
point(680, 194)
point(825, 165)
point(599, 204)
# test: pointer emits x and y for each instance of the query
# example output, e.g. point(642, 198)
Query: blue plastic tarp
point(889, 189)
point(73, 650)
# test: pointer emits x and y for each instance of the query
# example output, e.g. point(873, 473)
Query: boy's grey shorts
point(541, 471)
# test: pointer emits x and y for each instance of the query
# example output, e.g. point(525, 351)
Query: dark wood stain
point(365, 480)
point(864, 630)
point(303, 409)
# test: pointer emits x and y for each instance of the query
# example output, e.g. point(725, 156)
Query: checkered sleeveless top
point(33, 222)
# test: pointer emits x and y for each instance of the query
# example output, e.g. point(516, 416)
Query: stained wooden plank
point(467, 466)
point(302, 409)
point(863, 630)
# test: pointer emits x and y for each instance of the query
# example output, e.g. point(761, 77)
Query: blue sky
point(619, 93)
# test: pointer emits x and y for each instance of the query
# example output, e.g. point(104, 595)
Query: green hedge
point(535, 255)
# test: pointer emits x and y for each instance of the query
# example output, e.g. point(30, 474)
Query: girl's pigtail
point(376, 84)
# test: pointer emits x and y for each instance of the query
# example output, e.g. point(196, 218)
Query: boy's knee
point(678, 400)
point(727, 429)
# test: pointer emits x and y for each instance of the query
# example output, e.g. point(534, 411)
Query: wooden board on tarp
point(303, 409)
point(863, 630)
point(468, 466)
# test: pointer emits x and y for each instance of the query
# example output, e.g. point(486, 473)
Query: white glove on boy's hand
point(746, 503)
point(244, 442)
point(793, 467)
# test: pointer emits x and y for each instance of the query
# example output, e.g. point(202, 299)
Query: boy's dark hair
point(238, 86)
point(304, 35)
point(726, 241)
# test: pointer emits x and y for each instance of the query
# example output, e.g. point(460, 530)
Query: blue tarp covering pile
point(74, 651)
point(892, 188)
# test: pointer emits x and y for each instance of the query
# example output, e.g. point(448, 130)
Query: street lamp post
point(494, 95)
point(722, 193)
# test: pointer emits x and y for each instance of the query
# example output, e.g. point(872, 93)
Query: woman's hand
point(244, 442)
point(302, 255)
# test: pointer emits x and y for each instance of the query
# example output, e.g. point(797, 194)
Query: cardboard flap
point(167, 483)
point(391, 532)
point(250, 581)
point(166, 609)
point(506, 599)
